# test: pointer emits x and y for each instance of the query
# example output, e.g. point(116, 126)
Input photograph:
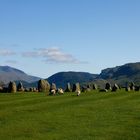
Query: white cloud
point(30, 54)
point(11, 62)
point(15, 45)
point(6, 52)
point(7, 45)
point(52, 55)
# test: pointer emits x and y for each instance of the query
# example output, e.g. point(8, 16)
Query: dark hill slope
point(122, 74)
point(11, 74)
point(62, 78)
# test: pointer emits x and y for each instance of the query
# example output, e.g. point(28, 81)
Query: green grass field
point(91, 116)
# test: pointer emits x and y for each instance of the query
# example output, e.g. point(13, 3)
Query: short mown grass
point(90, 116)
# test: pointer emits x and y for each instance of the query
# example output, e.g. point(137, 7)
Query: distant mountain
point(119, 74)
point(122, 74)
point(8, 74)
point(62, 78)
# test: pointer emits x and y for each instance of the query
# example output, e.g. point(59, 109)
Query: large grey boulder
point(84, 88)
point(89, 87)
point(68, 88)
point(76, 87)
point(132, 86)
point(95, 87)
point(115, 87)
point(1, 89)
point(20, 87)
point(43, 86)
point(108, 86)
point(127, 88)
point(12, 88)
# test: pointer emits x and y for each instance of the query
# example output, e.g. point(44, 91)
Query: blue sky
point(42, 37)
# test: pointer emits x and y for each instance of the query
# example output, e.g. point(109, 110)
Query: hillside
point(62, 78)
point(119, 74)
point(11, 74)
point(122, 74)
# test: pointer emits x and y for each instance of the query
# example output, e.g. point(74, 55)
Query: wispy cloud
point(52, 55)
point(30, 54)
point(11, 45)
point(15, 45)
point(6, 52)
point(11, 62)
point(55, 55)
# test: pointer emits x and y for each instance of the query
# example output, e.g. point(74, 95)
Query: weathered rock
point(76, 87)
point(95, 87)
point(20, 87)
point(68, 88)
point(27, 90)
point(132, 86)
point(31, 89)
point(12, 88)
point(127, 88)
point(43, 86)
point(84, 88)
point(115, 87)
point(35, 89)
point(89, 87)
point(1, 88)
point(108, 86)
point(5, 89)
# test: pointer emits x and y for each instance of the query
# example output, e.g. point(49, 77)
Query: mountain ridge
point(120, 74)
point(62, 78)
point(8, 74)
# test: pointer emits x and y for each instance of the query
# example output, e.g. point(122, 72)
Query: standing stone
point(1, 89)
point(76, 87)
point(115, 87)
point(68, 88)
point(127, 88)
point(35, 89)
point(20, 87)
point(12, 88)
point(108, 86)
point(89, 87)
point(43, 86)
point(95, 87)
point(26, 89)
point(31, 89)
point(132, 86)
point(84, 88)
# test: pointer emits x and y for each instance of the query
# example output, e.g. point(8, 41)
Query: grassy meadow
point(90, 116)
